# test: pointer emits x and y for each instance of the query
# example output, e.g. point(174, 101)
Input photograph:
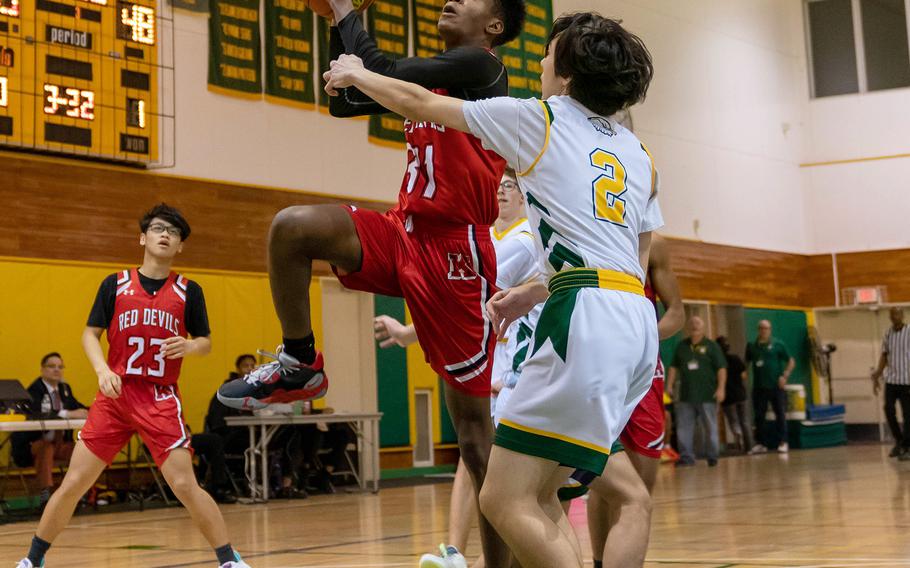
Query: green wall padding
point(392, 381)
point(790, 327)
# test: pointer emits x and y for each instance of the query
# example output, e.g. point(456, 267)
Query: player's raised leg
point(298, 236)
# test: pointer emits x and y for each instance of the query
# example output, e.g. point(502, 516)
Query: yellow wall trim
point(855, 160)
point(122, 265)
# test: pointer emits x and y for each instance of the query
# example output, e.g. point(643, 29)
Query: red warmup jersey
point(450, 176)
point(140, 325)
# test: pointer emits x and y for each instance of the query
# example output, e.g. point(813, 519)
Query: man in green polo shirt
point(771, 367)
point(701, 368)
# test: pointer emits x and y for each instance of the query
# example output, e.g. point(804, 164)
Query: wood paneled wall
point(69, 211)
point(65, 210)
point(736, 275)
point(889, 268)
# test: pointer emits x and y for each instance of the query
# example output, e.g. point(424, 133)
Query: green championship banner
point(522, 56)
point(191, 5)
point(388, 25)
point(323, 34)
point(235, 57)
point(425, 15)
point(289, 53)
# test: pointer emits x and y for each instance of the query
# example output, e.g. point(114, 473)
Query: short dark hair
point(609, 68)
point(50, 356)
point(240, 359)
point(167, 213)
point(723, 343)
point(511, 173)
point(512, 13)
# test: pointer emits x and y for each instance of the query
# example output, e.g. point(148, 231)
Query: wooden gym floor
point(841, 507)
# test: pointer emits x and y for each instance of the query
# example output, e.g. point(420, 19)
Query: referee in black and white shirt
point(894, 364)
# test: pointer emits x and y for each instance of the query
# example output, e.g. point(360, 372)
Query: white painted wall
point(724, 120)
point(254, 142)
point(861, 205)
point(723, 117)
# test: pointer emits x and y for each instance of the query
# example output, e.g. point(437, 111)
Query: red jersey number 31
point(421, 169)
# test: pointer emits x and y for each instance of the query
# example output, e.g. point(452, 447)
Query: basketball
point(324, 9)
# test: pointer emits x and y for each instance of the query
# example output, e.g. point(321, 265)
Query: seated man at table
point(236, 440)
point(52, 399)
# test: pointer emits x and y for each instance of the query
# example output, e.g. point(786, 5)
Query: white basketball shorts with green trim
point(593, 356)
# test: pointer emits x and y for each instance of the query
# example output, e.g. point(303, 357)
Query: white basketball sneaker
point(26, 563)
point(449, 557)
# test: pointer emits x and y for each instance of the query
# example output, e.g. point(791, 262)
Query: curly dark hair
point(512, 13)
point(167, 213)
point(241, 358)
point(609, 68)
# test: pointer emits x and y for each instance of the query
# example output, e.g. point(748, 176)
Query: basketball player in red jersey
point(433, 249)
point(619, 522)
point(148, 314)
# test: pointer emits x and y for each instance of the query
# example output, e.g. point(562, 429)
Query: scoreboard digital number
point(69, 101)
point(80, 77)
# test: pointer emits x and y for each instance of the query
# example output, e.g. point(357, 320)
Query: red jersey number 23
point(139, 345)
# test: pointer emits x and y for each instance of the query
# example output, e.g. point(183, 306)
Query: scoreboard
point(80, 77)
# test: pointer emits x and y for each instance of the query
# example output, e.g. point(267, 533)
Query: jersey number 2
point(608, 188)
point(139, 344)
point(429, 167)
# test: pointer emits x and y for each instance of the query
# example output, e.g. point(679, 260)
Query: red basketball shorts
point(644, 433)
point(155, 412)
point(446, 274)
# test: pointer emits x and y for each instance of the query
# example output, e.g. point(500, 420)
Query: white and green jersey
point(591, 190)
point(516, 264)
point(589, 183)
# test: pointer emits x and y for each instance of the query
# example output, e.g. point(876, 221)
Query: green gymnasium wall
point(398, 373)
point(790, 327)
point(392, 381)
point(448, 430)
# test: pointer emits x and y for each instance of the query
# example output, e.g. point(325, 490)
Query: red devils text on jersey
point(450, 175)
point(141, 323)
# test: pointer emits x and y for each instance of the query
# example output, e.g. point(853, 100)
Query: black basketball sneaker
point(283, 380)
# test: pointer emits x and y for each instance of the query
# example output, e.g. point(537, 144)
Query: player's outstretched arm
point(666, 287)
point(459, 68)
point(389, 332)
point(407, 99)
point(506, 306)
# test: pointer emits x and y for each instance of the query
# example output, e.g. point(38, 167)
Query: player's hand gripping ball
point(324, 7)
